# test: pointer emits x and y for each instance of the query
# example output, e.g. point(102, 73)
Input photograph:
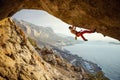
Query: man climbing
point(80, 33)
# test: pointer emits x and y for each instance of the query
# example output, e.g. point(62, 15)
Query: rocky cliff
point(20, 61)
point(103, 15)
point(39, 35)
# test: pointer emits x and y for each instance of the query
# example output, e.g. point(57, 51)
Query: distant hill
point(45, 35)
point(115, 43)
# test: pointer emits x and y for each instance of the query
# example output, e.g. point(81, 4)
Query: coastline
point(105, 54)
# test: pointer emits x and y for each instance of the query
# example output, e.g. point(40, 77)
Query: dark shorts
point(78, 34)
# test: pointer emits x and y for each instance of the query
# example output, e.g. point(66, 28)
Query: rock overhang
point(102, 15)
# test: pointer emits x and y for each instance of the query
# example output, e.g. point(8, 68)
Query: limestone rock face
point(20, 61)
point(103, 15)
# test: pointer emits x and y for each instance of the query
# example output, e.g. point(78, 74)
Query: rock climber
point(80, 33)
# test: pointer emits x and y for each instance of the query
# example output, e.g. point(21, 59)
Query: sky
point(42, 18)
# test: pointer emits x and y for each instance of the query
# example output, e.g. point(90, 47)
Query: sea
point(105, 54)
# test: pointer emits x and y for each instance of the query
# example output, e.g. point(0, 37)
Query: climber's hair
point(70, 27)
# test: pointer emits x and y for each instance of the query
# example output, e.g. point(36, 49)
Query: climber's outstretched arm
point(74, 28)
